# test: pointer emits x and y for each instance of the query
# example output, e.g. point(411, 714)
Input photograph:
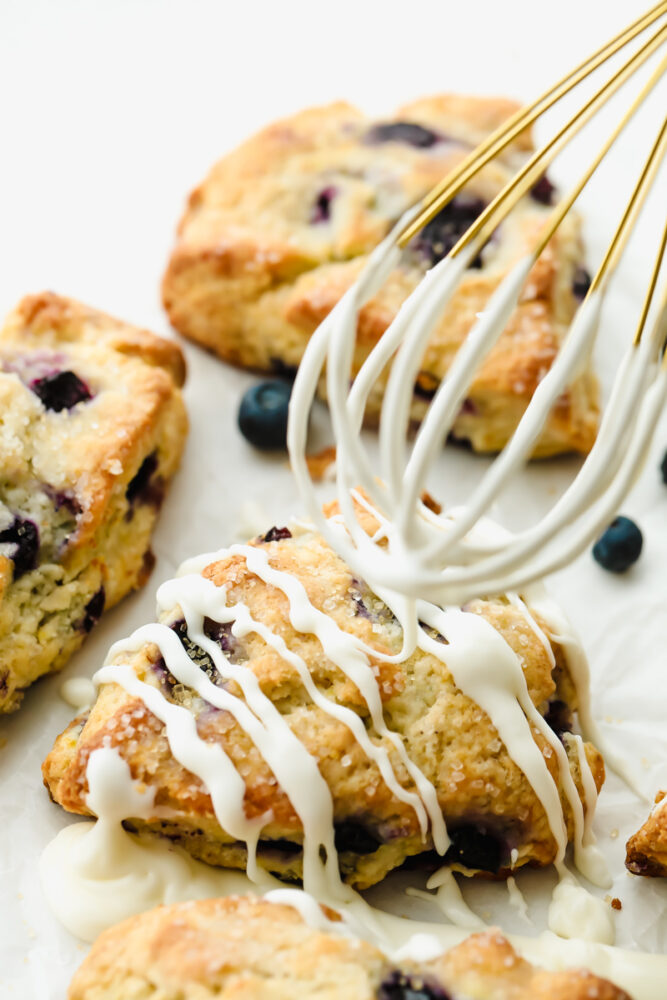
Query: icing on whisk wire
point(440, 558)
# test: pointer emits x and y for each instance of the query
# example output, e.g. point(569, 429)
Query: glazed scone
point(647, 849)
point(92, 427)
point(495, 819)
point(283, 225)
point(243, 948)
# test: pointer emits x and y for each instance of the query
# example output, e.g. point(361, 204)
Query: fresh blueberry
point(275, 534)
point(23, 534)
point(620, 546)
point(408, 132)
point(581, 283)
point(61, 391)
point(663, 469)
point(93, 610)
point(445, 230)
point(476, 847)
point(262, 416)
point(543, 191)
point(322, 208)
point(399, 986)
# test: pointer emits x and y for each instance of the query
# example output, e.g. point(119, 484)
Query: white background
point(109, 114)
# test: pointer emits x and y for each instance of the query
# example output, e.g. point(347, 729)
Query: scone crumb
point(431, 503)
point(616, 904)
point(320, 462)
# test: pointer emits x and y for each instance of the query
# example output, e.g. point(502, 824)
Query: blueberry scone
point(277, 720)
point(647, 849)
point(283, 225)
point(243, 948)
point(92, 427)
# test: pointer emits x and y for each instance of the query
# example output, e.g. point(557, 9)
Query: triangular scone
point(293, 584)
point(242, 948)
point(647, 849)
point(282, 226)
point(92, 426)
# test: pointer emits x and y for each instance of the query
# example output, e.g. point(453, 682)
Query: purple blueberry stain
point(321, 211)
point(581, 283)
point(61, 390)
point(23, 534)
point(543, 191)
point(93, 610)
point(276, 534)
point(409, 133)
point(352, 836)
point(477, 846)
point(559, 717)
point(443, 232)
point(143, 488)
point(399, 985)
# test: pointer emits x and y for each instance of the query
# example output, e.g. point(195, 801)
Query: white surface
point(111, 113)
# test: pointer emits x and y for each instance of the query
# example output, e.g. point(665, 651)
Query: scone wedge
point(283, 225)
point(92, 426)
point(346, 739)
point(647, 849)
point(243, 948)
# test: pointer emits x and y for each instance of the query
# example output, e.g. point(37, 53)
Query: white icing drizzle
point(517, 898)
point(79, 692)
point(449, 899)
point(95, 874)
point(576, 913)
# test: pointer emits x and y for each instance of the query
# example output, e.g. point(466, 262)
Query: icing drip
point(96, 874)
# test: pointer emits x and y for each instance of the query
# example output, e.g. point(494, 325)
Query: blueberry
point(262, 415)
point(581, 283)
point(399, 986)
point(141, 488)
point(93, 610)
point(559, 717)
point(322, 208)
point(275, 534)
point(620, 546)
point(24, 534)
point(61, 391)
point(356, 838)
point(475, 846)
point(445, 230)
point(408, 132)
point(543, 191)
point(663, 469)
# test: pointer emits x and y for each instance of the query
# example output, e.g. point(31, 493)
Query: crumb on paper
point(660, 796)
point(616, 904)
point(614, 833)
point(431, 503)
point(319, 464)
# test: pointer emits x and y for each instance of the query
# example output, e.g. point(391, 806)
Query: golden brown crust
point(647, 849)
point(252, 276)
point(445, 733)
point(71, 472)
point(243, 948)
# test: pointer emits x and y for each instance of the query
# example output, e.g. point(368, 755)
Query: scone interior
point(92, 428)
point(292, 634)
point(647, 849)
point(283, 225)
point(242, 948)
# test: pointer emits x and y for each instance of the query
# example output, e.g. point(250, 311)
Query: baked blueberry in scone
point(92, 425)
point(282, 226)
point(338, 743)
point(244, 948)
point(647, 849)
